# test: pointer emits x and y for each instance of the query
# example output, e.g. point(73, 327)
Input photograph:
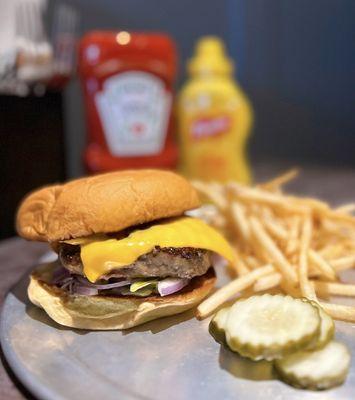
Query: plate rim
point(29, 381)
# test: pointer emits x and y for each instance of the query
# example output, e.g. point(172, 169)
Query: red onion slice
point(105, 286)
point(85, 291)
point(171, 285)
point(59, 275)
point(218, 261)
point(66, 283)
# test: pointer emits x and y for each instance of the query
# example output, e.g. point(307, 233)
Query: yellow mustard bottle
point(214, 117)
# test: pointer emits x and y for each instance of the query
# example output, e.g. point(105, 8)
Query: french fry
point(239, 265)
point(330, 226)
point(343, 263)
point(240, 220)
point(306, 236)
point(287, 288)
point(267, 282)
point(276, 230)
point(280, 180)
point(219, 222)
point(341, 217)
point(339, 311)
point(346, 208)
point(231, 289)
point(272, 199)
point(273, 251)
point(292, 248)
point(214, 195)
point(293, 242)
point(330, 251)
point(332, 288)
point(322, 265)
point(252, 261)
point(314, 272)
point(266, 212)
point(341, 231)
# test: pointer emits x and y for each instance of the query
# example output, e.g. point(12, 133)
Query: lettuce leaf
point(150, 284)
point(141, 292)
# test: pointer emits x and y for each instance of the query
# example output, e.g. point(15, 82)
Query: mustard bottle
point(214, 117)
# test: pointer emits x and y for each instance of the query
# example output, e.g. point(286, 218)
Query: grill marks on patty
point(179, 262)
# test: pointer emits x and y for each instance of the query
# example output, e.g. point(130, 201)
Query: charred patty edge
point(180, 262)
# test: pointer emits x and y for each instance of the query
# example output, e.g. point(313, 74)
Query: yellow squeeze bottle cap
point(210, 57)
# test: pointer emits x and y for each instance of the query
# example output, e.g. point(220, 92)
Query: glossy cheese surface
point(100, 255)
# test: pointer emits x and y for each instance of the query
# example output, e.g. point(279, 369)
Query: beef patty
point(182, 262)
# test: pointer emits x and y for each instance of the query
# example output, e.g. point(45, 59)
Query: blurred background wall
point(295, 59)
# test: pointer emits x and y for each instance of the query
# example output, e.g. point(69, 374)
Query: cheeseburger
point(127, 253)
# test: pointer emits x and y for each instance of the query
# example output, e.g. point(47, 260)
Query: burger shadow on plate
point(161, 324)
point(244, 368)
point(36, 313)
point(40, 315)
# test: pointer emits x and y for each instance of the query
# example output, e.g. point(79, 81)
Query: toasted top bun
point(108, 312)
point(103, 203)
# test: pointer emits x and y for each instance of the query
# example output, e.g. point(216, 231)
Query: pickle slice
point(327, 328)
point(218, 324)
point(316, 370)
point(271, 326)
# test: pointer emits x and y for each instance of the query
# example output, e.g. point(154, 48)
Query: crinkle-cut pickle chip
point(327, 328)
point(315, 370)
point(271, 326)
point(218, 324)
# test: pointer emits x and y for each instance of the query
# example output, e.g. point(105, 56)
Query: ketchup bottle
point(127, 80)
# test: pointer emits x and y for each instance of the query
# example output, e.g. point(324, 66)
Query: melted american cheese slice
point(100, 255)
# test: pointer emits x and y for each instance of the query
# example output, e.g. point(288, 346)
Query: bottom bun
point(111, 312)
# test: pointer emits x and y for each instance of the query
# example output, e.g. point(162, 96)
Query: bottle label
point(208, 127)
point(134, 109)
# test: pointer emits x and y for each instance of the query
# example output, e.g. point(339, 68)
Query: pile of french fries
point(282, 243)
